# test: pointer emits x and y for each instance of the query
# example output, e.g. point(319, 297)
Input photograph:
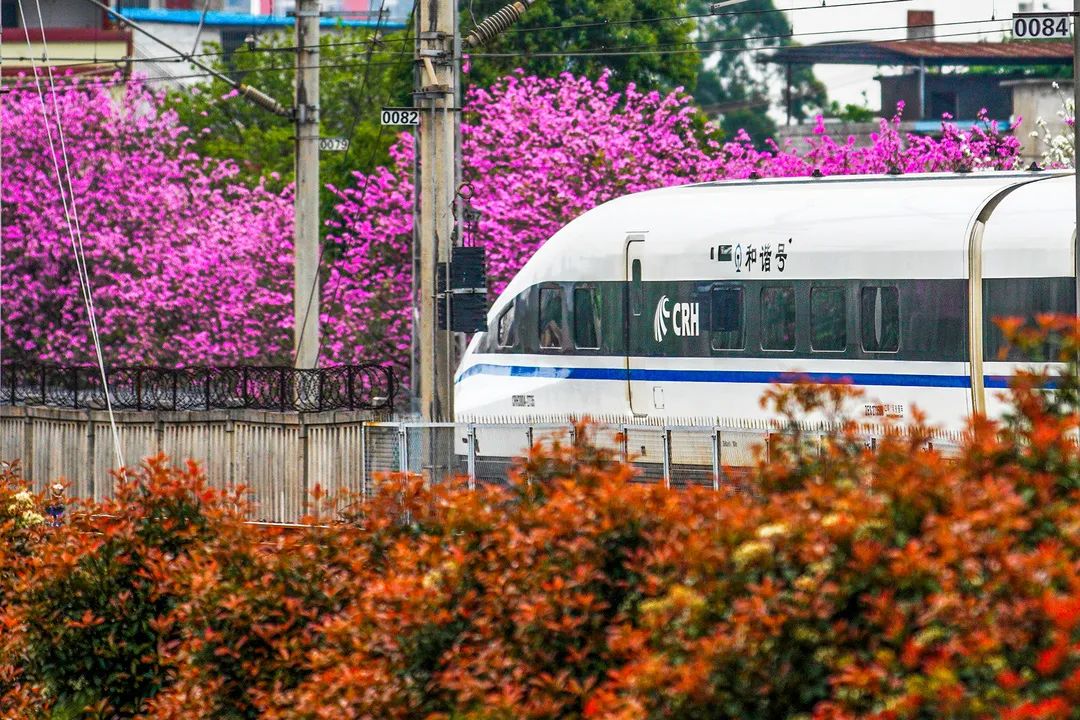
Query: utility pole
point(1076, 146)
point(306, 201)
point(435, 94)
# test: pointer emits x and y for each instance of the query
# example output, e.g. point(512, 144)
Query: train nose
point(463, 396)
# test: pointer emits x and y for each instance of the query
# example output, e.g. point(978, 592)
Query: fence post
point(207, 371)
point(529, 436)
point(363, 461)
point(243, 386)
point(175, 372)
point(349, 386)
point(716, 440)
point(403, 449)
point(75, 386)
point(138, 388)
point(28, 447)
point(42, 383)
point(472, 456)
point(320, 377)
point(282, 372)
point(667, 457)
point(91, 451)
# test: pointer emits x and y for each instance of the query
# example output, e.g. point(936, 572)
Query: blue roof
point(227, 19)
point(934, 126)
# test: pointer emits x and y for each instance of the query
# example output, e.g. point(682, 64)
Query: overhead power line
point(574, 52)
point(657, 48)
point(701, 16)
point(83, 82)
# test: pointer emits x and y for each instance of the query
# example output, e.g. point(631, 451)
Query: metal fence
point(678, 456)
point(279, 458)
point(282, 389)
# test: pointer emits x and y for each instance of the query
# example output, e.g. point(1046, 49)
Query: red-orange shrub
point(896, 583)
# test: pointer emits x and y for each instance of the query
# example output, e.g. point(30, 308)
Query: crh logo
point(684, 319)
point(660, 319)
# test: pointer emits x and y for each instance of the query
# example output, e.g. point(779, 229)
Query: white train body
point(683, 305)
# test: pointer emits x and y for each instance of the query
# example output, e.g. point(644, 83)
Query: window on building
point(9, 13)
point(726, 317)
point(637, 292)
point(506, 328)
point(828, 319)
point(551, 318)
point(778, 318)
point(587, 318)
point(880, 318)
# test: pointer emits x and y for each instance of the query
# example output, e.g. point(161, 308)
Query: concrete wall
point(1033, 99)
point(63, 14)
point(182, 37)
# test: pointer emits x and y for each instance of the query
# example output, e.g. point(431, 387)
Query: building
point(78, 36)
point(195, 30)
point(932, 78)
point(968, 20)
point(83, 39)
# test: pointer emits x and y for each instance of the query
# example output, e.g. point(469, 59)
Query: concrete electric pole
point(1076, 146)
point(306, 201)
point(435, 95)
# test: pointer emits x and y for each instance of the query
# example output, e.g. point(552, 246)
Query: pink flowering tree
point(190, 266)
point(538, 152)
point(187, 266)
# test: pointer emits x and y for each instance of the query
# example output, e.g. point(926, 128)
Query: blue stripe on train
point(729, 376)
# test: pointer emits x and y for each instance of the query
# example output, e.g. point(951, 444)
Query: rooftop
point(226, 19)
point(928, 52)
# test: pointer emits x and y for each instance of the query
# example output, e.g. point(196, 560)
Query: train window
point(637, 292)
point(551, 318)
point(727, 317)
point(828, 319)
point(778, 318)
point(506, 328)
point(1026, 298)
point(880, 318)
point(586, 318)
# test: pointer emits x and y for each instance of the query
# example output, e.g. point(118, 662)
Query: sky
point(847, 83)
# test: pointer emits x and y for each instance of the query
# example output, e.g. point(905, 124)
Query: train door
point(637, 319)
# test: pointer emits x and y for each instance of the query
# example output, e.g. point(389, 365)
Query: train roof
point(920, 221)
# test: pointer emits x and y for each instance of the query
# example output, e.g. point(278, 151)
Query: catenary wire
point(652, 49)
point(76, 244)
point(81, 248)
point(701, 16)
point(322, 246)
point(190, 76)
point(363, 189)
point(606, 23)
point(657, 48)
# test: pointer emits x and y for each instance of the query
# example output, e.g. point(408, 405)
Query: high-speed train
point(683, 305)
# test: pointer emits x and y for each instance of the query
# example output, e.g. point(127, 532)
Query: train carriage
point(682, 305)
